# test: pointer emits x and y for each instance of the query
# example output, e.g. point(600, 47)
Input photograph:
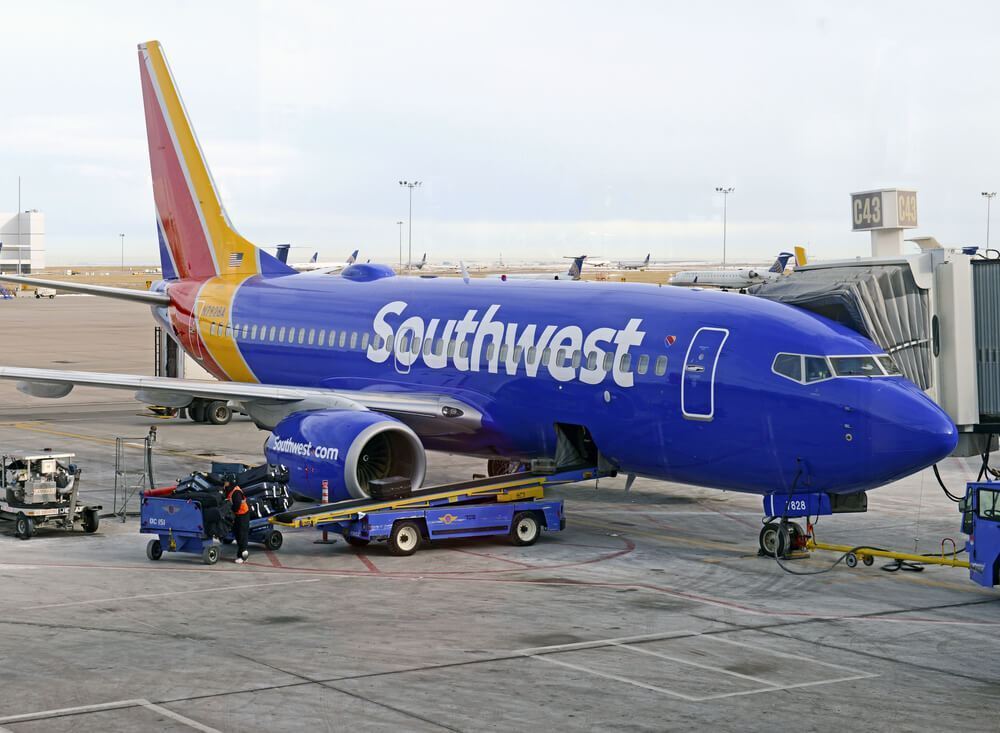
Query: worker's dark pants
point(241, 529)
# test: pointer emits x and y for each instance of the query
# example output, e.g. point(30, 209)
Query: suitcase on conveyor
point(393, 487)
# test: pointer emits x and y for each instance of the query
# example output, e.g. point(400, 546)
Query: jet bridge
point(937, 312)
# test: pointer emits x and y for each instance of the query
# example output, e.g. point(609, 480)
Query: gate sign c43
point(886, 209)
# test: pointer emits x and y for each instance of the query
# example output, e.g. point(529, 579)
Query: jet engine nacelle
point(345, 448)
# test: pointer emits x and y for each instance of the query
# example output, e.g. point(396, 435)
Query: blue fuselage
point(670, 383)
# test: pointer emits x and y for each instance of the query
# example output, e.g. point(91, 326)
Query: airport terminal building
point(23, 238)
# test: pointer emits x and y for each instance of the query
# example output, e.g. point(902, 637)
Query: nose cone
point(908, 430)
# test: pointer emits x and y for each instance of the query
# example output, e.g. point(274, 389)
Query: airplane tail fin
point(353, 258)
point(781, 262)
point(800, 257)
point(423, 261)
point(645, 262)
point(197, 240)
point(576, 268)
point(315, 257)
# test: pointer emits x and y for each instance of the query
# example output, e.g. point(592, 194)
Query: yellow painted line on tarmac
point(34, 427)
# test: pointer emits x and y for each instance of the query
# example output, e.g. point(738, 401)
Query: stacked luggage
point(265, 488)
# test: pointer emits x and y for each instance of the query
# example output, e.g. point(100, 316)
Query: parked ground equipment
point(195, 517)
point(511, 505)
point(39, 489)
point(981, 522)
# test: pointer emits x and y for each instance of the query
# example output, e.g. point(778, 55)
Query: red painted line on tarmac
point(492, 557)
point(372, 568)
point(472, 578)
point(275, 562)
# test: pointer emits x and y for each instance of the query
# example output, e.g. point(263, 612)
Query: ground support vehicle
point(42, 489)
point(500, 505)
point(179, 526)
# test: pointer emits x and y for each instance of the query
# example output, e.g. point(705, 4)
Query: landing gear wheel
point(218, 413)
point(356, 541)
point(274, 540)
point(196, 411)
point(154, 550)
point(405, 539)
point(524, 529)
point(24, 526)
point(773, 540)
point(851, 560)
point(91, 520)
point(868, 560)
point(210, 555)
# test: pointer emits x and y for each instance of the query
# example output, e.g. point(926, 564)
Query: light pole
point(400, 225)
point(988, 195)
point(725, 191)
point(123, 251)
point(409, 255)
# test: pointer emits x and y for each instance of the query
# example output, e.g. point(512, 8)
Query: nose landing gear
point(780, 538)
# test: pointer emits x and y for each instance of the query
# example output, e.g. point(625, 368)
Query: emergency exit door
point(698, 380)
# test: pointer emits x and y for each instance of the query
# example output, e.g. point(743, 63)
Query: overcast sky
point(539, 129)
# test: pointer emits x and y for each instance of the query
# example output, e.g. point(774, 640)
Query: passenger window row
point(353, 340)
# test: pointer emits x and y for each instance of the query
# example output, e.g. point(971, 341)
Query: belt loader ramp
point(510, 504)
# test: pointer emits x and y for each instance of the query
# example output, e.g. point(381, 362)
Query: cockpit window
point(788, 365)
point(889, 365)
point(855, 366)
point(817, 369)
point(806, 369)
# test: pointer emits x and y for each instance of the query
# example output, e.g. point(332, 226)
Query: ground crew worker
point(241, 521)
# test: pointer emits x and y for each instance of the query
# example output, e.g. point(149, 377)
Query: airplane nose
point(909, 431)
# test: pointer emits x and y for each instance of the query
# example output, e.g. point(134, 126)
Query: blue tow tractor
point(981, 522)
point(179, 526)
point(511, 506)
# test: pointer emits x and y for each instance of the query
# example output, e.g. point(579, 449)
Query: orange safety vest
point(243, 508)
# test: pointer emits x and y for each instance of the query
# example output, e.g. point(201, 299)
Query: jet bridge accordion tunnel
point(936, 313)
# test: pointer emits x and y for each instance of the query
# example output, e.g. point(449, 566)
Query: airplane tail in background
point(800, 257)
point(576, 269)
point(645, 262)
point(423, 261)
point(780, 263)
point(315, 257)
point(353, 258)
point(197, 240)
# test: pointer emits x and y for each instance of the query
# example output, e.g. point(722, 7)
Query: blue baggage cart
point(179, 526)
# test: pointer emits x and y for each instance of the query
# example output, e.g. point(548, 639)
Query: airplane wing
point(143, 296)
point(264, 401)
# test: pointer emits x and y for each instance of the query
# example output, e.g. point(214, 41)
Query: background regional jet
point(357, 375)
point(573, 273)
point(324, 267)
point(739, 278)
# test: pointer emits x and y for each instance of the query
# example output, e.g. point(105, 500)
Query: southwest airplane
point(357, 374)
point(740, 278)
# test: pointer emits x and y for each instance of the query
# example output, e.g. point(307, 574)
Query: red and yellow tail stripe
point(198, 233)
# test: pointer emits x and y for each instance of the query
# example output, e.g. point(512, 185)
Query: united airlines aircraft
point(740, 278)
point(356, 375)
